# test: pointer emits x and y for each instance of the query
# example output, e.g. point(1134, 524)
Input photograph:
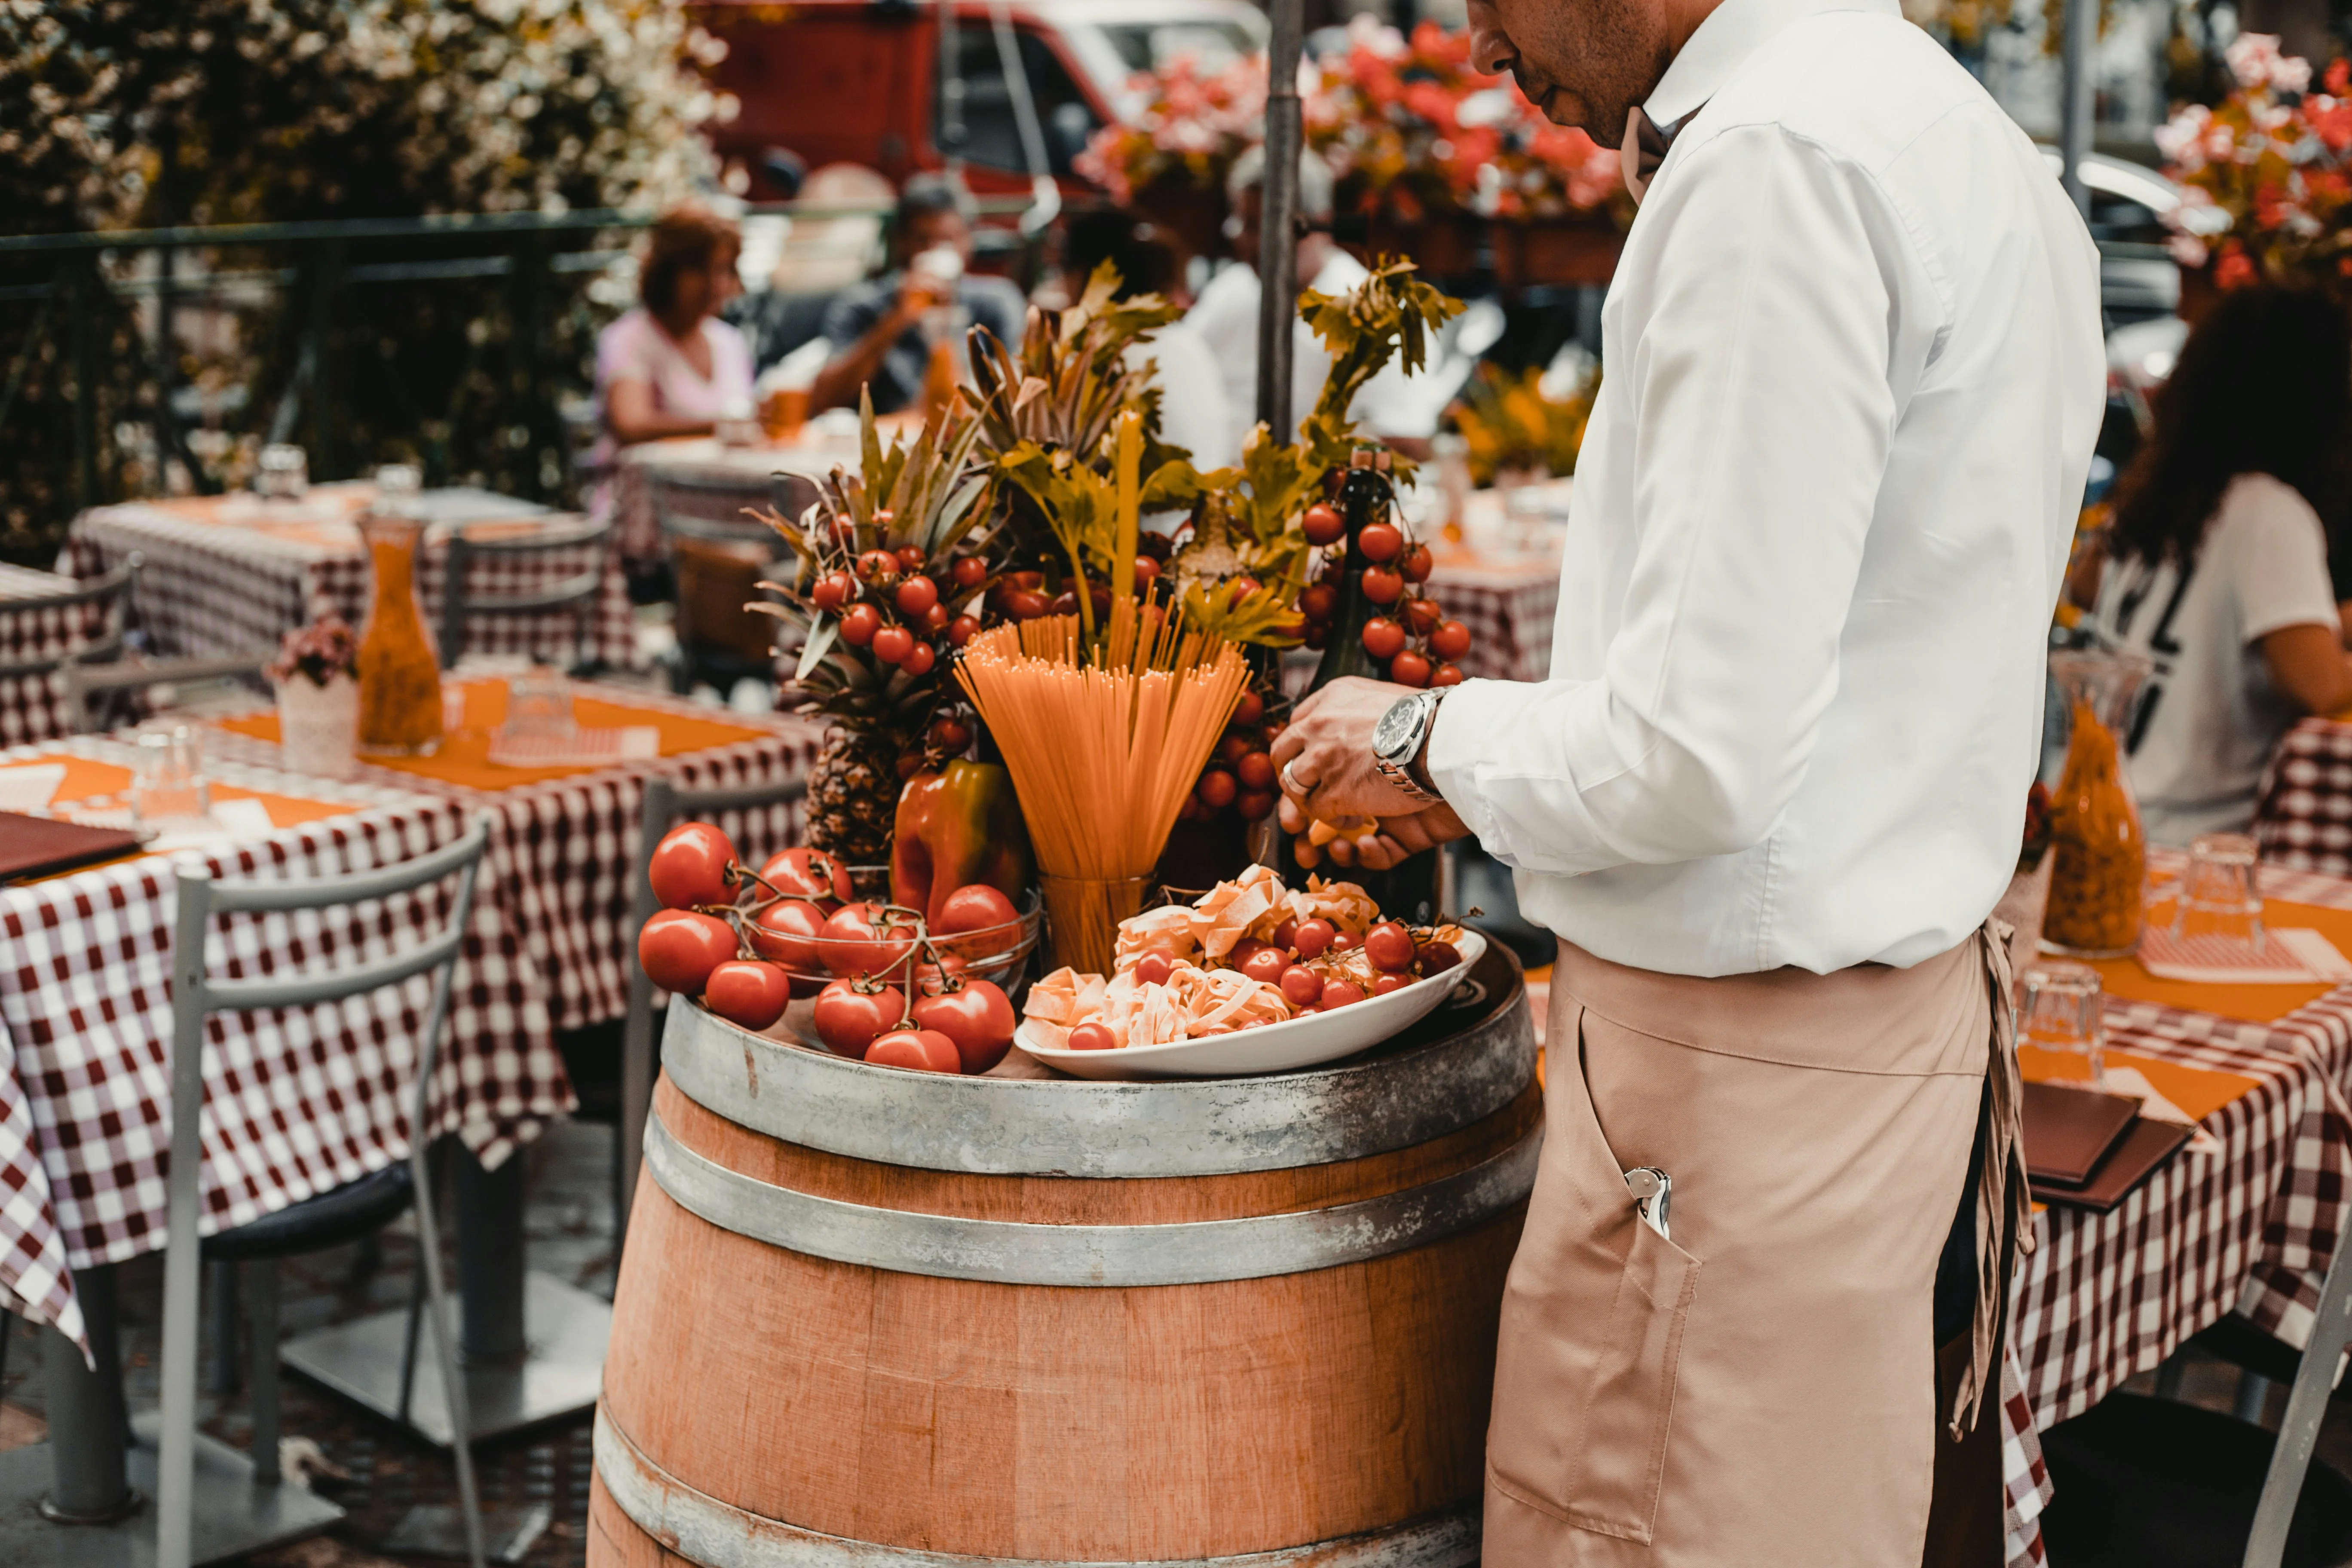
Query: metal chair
point(578, 594)
point(356, 1209)
point(85, 682)
point(112, 593)
point(717, 556)
point(2154, 1483)
point(666, 803)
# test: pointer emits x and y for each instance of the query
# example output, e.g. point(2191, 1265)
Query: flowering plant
point(2265, 195)
point(318, 652)
point(1410, 127)
point(1188, 132)
point(1525, 421)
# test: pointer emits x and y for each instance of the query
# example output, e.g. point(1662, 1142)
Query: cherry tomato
point(919, 659)
point(1255, 771)
point(832, 591)
point(678, 949)
point(1215, 789)
point(1093, 1038)
point(1383, 638)
point(1381, 541)
point(1382, 584)
point(1312, 936)
point(910, 556)
point(1340, 994)
point(930, 978)
point(689, 867)
point(1286, 935)
point(969, 572)
point(1154, 968)
point(746, 991)
point(1323, 523)
point(1234, 748)
point(1388, 983)
point(1409, 668)
point(876, 565)
point(949, 734)
point(808, 873)
point(1316, 634)
point(848, 1019)
point(915, 596)
point(1346, 942)
point(1418, 563)
point(1451, 640)
point(1255, 805)
point(1447, 674)
point(865, 939)
point(1249, 710)
point(1318, 601)
point(923, 1050)
point(1301, 985)
point(1146, 570)
point(976, 1017)
point(1267, 964)
point(1437, 957)
point(893, 644)
point(1027, 603)
point(1422, 615)
point(1390, 947)
point(858, 625)
point(960, 630)
point(1064, 603)
point(934, 619)
point(786, 931)
point(976, 906)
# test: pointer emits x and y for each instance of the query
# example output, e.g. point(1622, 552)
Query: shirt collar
point(1731, 32)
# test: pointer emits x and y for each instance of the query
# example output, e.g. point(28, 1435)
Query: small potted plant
point(317, 676)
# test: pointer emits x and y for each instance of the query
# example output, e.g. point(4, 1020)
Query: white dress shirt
point(1226, 315)
point(1196, 412)
point(1853, 376)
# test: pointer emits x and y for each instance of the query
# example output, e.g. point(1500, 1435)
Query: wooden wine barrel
point(872, 1319)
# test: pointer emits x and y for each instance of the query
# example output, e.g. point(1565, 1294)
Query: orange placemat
point(2198, 1091)
point(84, 778)
point(2123, 977)
point(464, 757)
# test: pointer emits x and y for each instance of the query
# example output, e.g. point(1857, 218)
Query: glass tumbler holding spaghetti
point(2096, 906)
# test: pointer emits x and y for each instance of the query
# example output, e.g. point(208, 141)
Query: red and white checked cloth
point(35, 707)
point(2302, 807)
point(297, 1101)
point(221, 579)
point(718, 483)
point(563, 850)
point(1509, 608)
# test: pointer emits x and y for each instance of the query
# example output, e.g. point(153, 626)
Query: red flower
point(2233, 272)
point(2338, 80)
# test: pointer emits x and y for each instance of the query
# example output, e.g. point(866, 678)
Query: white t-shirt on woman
point(2211, 717)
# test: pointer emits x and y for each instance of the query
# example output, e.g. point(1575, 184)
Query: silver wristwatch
point(1397, 741)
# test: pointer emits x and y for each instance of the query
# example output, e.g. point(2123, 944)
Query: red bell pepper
point(957, 827)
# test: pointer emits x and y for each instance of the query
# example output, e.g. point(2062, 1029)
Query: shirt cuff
point(1475, 716)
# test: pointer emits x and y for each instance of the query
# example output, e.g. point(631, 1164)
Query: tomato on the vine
point(866, 939)
point(1381, 541)
point(1382, 584)
point(976, 1017)
point(919, 659)
point(748, 993)
point(806, 873)
point(1318, 601)
point(1445, 675)
point(689, 867)
point(859, 624)
point(678, 949)
point(832, 591)
point(893, 644)
point(910, 556)
point(969, 572)
point(1409, 668)
point(1451, 640)
point(916, 596)
point(1249, 708)
point(847, 1018)
point(961, 630)
point(1383, 638)
point(1215, 789)
point(1312, 936)
point(1422, 615)
point(1323, 523)
point(876, 565)
point(1389, 946)
point(1418, 563)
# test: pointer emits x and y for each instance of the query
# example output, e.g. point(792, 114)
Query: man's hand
point(1397, 837)
point(1324, 758)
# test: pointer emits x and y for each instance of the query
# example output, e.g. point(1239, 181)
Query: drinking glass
point(538, 706)
point(168, 783)
point(284, 472)
point(2061, 1032)
point(398, 488)
point(2219, 896)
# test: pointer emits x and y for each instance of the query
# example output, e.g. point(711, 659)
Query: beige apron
point(1760, 1391)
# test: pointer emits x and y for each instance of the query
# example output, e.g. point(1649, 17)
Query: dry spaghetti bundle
point(1103, 744)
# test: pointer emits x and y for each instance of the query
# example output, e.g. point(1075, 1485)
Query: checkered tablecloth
point(223, 576)
point(298, 1102)
point(638, 497)
point(1509, 608)
point(35, 707)
point(2302, 811)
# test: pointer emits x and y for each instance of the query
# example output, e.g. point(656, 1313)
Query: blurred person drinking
point(670, 366)
point(2215, 567)
point(886, 333)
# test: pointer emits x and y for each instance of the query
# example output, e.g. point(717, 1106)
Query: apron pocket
point(1620, 1453)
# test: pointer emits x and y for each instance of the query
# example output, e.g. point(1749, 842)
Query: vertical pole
point(175, 1456)
point(167, 443)
point(949, 130)
point(82, 300)
point(489, 1258)
point(1278, 268)
point(326, 278)
point(88, 1432)
point(263, 1301)
point(2074, 123)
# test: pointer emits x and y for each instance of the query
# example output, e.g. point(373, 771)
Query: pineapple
point(853, 795)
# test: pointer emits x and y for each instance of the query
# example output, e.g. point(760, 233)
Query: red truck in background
point(827, 81)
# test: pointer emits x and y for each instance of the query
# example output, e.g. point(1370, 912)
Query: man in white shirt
point(1773, 788)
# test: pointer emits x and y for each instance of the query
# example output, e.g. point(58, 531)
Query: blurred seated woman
point(2216, 566)
point(671, 367)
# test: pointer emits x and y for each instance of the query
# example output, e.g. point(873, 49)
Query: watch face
point(1396, 727)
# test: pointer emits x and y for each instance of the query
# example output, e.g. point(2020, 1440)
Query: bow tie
point(1644, 149)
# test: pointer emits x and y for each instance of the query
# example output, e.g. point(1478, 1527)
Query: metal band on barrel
point(991, 1126)
point(1011, 1252)
point(703, 1530)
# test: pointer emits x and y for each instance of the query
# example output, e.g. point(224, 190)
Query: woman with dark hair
point(671, 367)
point(2217, 562)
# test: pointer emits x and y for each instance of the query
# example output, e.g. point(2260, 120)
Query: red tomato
point(678, 949)
point(1266, 963)
point(1092, 1037)
point(1286, 935)
point(746, 991)
point(893, 644)
point(1027, 603)
point(806, 873)
point(1388, 983)
point(1382, 584)
point(919, 659)
point(1323, 523)
point(1409, 668)
point(1346, 942)
point(976, 906)
point(865, 939)
point(1422, 616)
point(1379, 540)
point(924, 1050)
point(910, 556)
point(1312, 936)
point(935, 620)
point(1154, 968)
point(1437, 957)
point(1418, 563)
point(848, 1020)
point(1340, 994)
point(689, 867)
point(1302, 985)
point(1318, 601)
point(1215, 789)
point(1254, 770)
point(951, 735)
point(977, 1018)
point(1233, 748)
point(1449, 640)
point(916, 596)
point(930, 978)
point(1255, 805)
point(858, 625)
point(1248, 709)
point(832, 591)
point(1146, 569)
point(961, 629)
point(969, 572)
point(1447, 674)
point(1390, 947)
point(786, 931)
point(1383, 638)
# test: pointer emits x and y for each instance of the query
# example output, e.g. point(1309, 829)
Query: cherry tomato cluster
point(1303, 959)
point(803, 935)
point(1392, 580)
point(1240, 773)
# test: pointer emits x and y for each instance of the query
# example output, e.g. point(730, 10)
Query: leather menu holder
point(2138, 1152)
point(37, 846)
point(2068, 1131)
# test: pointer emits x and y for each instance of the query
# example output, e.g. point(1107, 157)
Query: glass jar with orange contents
point(400, 671)
point(2097, 883)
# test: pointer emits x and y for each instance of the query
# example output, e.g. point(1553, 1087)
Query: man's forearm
point(836, 385)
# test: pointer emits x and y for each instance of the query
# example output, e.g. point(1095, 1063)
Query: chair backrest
point(85, 682)
point(194, 996)
point(666, 803)
point(111, 594)
point(2306, 1407)
point(698, 502)
point(578, 592)
point(719, 556)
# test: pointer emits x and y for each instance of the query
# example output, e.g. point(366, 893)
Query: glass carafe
point(2097, 885)
point(400, 672)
